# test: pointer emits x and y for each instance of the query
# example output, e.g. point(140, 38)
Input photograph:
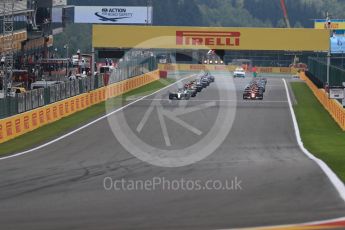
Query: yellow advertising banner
point(225, 38)
point(192, 67)
point(335, 25)
point(18, 38)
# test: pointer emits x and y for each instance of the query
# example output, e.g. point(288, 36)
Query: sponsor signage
point(338, 44)
point(169, 37)
point(336, 93)
point(193, 67)
point(9, 130)
point(113, 15)
point(59, 2)
point(1, 133)
point(17, 38)
point(207, 38)
point(336, 24)
point(26, 122)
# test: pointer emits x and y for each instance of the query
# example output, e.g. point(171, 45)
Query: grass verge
point(58, 128)
point(321, 135)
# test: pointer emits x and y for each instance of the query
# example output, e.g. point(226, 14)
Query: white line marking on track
point(145, 119)
point(89, 124)
point(164, 128)
point(337, 183)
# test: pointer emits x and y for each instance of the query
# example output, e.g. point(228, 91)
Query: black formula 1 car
point(205, 81)
point(263, 80)
point(258, 84)
point(180, 94)
point(192, 89)
point(210, 77)
point(198, 84)
point(193, 86)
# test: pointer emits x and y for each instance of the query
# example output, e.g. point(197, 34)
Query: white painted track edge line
point(90, 123)
point(337, 183)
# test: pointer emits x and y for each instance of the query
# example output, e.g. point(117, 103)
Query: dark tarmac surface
point(62, 185)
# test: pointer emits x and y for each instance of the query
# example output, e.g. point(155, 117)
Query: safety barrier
point(23, 102)
point(231, 68)
point(20, 124)
point(332, 106)
point(318, 67)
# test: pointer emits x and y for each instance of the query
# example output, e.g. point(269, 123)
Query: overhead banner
point(160, 37)
point(113, 15)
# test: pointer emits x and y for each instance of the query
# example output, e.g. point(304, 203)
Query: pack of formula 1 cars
point(192, 88)
point(255, 90)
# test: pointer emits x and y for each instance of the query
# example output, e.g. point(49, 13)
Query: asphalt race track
point(62, 185)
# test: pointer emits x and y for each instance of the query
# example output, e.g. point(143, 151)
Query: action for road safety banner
point(169, 37)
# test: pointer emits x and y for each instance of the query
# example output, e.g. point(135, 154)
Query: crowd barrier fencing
point(19, 103)
point(23, 123)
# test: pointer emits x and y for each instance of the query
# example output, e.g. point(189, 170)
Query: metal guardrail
point(40, 97)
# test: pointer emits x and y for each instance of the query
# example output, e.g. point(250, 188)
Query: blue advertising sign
point(338, 44)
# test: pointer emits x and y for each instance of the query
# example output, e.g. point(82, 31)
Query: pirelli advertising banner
point(160, 37)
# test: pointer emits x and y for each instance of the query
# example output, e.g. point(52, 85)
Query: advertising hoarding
point(59, 3)
point(336, 93)
point(113, 15)
point(224, 38)
point(338, 44)
point(337, 25)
